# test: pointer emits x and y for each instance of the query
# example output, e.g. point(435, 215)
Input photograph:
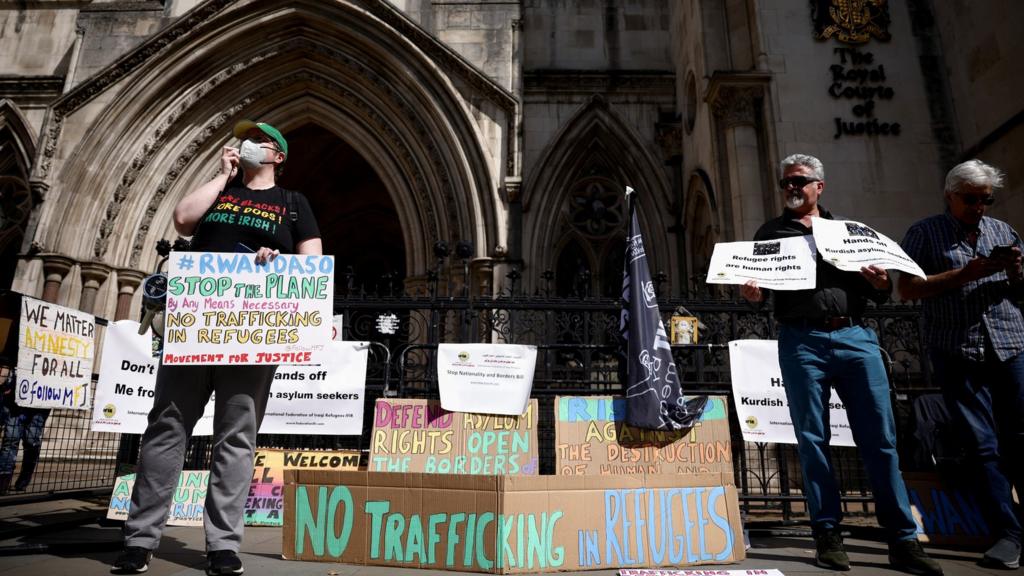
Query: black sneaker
point(909, 556)
point(1004, 554)
point(223, 562)
point(134, 560)
point(831, 554)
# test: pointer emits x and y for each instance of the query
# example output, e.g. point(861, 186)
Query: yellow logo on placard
point(751, 422)
point(463, 356)
point(109, 410)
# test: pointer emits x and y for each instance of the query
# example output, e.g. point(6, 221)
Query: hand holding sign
point(852, 246)
point(783, 264)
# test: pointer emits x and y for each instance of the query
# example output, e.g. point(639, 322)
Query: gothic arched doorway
point(356, 215)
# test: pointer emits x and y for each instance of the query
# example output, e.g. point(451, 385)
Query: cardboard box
point(591, 438)
point(946, 514)
point(511, 524)
point(265, 503)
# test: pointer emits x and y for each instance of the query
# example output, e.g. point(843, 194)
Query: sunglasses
point(972, 199)
point(796, 182)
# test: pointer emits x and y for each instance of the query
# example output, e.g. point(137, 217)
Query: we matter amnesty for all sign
point(55, 354)
point(223, 308)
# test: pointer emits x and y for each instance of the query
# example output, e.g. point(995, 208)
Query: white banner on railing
point(485, 378)
point(320, 400)
point(761, 405)
point(224, 309)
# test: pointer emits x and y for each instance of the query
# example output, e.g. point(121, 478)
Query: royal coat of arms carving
point(850, 21)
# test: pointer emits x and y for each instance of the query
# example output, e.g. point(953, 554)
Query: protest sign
point(186, 506)
point(325, 399)
point(55, 354)
point(224, 309)
point(485, 378)
point(783, 264)
point(850, 246)
point(265, 504)
point(761, 405)
point(946, 515)
point(127, 382)
point(511, 524)
point(592, 438)
point(420, 436)
point(663, 572)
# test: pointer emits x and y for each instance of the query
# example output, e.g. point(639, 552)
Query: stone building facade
point(513, 125)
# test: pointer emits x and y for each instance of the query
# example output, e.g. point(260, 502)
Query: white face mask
point(251, 155)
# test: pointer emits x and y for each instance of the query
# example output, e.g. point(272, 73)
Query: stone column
point(94, 274)
point(127, 282)
point(55, 269)
point(737, 105)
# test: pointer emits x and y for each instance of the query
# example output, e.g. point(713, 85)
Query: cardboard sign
point(945, 515)
point(761, 404)
point(485, 378)
point(783, 264)
point(55, 354)
point(419, 436)
point(659, 572)
point(509, 524)
point(850, 246)
point(224, 309)
point(591, 438)
point(186, 507)
point(265, 504)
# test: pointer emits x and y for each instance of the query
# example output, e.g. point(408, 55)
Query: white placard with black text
point(783, 264)
point(761, 405)
point(850, 246)
point(56, 348)
point(485, 378)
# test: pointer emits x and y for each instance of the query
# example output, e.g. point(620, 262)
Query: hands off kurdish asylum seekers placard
point(592, 438)
point(222, 308)
point(419, 436)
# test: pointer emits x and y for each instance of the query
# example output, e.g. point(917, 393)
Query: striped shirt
point(983, 312)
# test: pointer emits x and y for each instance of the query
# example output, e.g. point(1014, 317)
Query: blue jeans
point(23, 425)
point(986, 400)
point(849, 360)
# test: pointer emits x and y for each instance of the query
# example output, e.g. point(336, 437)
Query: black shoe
point(223, 562)
point(134, 560)
point(909, 556)
point(1004, 554)
point(831, 554)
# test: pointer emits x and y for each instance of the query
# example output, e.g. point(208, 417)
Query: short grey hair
point(973, 173)
point(810, 162)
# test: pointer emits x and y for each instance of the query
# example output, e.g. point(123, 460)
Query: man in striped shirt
point(974, 330)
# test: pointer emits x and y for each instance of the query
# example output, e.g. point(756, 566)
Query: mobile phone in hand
point(1001, 252)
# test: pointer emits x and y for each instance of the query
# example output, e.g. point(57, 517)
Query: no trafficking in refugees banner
point(654, 395)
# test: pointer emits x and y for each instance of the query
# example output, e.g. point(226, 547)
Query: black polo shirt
point(836, 293)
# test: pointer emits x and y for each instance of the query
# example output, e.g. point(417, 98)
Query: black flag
point(654, 396)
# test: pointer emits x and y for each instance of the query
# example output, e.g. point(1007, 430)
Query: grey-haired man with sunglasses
point(823, 343)
point(974, 330)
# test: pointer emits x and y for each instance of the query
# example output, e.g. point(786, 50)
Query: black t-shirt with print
point(255, 218)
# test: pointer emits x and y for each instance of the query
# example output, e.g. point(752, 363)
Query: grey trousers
point(181, 395)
